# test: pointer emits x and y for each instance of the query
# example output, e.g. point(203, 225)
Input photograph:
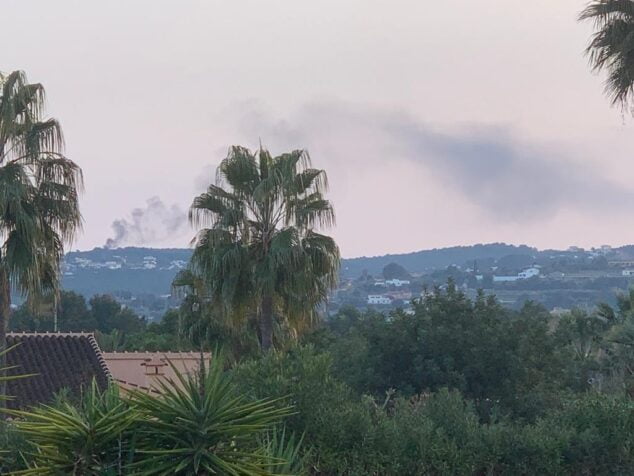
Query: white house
point(628, 272)
point(379, 299)
point(529, 273)
point(397, 282)
point(505, 279)
point(526, 274)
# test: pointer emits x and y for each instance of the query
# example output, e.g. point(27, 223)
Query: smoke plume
point(152, 225)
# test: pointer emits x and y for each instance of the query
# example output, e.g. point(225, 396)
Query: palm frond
point(611, 48)
point(39, 187)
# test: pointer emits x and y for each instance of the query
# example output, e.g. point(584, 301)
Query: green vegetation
point(199, 425)
point(39, 208)
point(459, 387)
point(452, 385)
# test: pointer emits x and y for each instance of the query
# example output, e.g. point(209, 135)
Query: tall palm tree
point(203, 323)
point(612, 47)
point(38, 195)
point(261, 257)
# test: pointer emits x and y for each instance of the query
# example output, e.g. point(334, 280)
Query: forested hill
point(151, 270)
point(134, 270)
point(419, 261)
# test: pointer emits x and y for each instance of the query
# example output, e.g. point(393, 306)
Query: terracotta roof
point(59, 360)
point(144, 370)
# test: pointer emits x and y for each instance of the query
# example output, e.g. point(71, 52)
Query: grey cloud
point(151, 225)
point(509, 179)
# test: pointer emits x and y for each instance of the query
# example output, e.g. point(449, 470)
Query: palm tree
point(261, 257)
point(38, 195)
point(612, 46)
point(203, 323)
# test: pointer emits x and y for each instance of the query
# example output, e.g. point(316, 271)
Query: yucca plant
point(286, 452)
point(89, 437)
point(199, 424)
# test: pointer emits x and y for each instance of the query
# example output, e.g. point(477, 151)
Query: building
point(526, 274)
point(628, 272)
point(379, 299)
point(529, 273)
point(53, 361)
point(621, 263)
point(145, 370)
point(399, 295)
point(505, 279)
point(71, 361)
point(397, 282)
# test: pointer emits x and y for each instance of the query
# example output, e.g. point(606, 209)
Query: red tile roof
point(60, 361)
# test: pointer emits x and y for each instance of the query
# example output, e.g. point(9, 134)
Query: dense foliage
point(197, 425)
point(453, 387)
point(458, 387)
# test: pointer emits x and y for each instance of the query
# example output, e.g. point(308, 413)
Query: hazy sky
point(439, 123)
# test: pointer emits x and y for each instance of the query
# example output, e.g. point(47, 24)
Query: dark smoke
point(151, 225)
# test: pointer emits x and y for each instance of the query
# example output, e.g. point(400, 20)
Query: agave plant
point(286, 452)
point(200, 425)
point(86, 438)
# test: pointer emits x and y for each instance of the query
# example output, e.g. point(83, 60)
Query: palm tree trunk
point(266, 323)
point(5, 309)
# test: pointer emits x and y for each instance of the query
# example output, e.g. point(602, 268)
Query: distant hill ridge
point(424, 260)
point(151, 270)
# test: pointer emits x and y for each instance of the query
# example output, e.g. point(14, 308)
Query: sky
point(439, 123)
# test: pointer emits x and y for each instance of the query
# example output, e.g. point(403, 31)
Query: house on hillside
point(400, 295)
point(529, 273)
point(621, 263)
point(397, 282)
point(525, 274)
point(379, 299)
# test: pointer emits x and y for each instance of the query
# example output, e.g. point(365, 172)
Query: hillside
point(134, 270)
point(437, 258)
point(151, 270)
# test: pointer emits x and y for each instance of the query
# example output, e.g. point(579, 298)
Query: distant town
point(560, 280)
